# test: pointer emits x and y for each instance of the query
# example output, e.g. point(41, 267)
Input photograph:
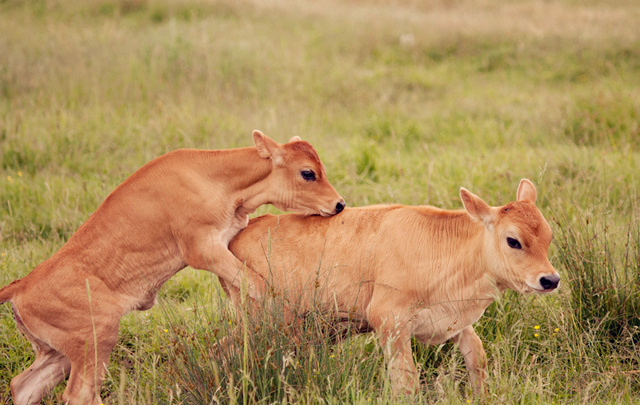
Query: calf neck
point(181, 209)
point(405, 271)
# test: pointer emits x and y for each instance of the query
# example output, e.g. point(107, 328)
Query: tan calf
point(181, 209)
point(406, 271)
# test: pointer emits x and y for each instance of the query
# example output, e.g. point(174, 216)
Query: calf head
point(299, 182)
point(517, 239)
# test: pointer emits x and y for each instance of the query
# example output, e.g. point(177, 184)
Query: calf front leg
point(255, 307)
point(475, 358)
point(394, 329)
point(218, 259)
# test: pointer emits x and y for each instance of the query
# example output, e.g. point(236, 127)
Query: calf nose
point(339, 207)
point(550, 282)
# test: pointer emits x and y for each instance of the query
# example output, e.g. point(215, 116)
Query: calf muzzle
point(550, 282)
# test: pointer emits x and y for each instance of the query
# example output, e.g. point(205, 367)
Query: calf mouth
point(340, 205)
point(545, 284)
point(545, 287)
point(547, 291)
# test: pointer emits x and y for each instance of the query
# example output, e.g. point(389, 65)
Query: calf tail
point(8, 292)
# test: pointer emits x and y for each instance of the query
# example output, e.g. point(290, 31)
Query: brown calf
point(406, 271)
point(181, 209)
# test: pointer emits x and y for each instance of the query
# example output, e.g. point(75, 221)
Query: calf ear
point(526, 191)
point(477, 209)
point(267, 147)
point(295, 139)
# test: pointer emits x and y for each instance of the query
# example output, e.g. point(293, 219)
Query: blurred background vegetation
point(405, 102)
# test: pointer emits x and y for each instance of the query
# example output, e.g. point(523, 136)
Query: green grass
point(405, 102)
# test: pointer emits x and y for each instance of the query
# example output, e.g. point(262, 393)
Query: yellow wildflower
point(10, 179)
point(536, 327)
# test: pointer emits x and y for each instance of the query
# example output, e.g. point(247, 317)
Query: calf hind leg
point(46, 372)
point(88, 368)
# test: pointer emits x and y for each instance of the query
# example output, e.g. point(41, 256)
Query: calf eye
point(513, 243)
point(308, 175)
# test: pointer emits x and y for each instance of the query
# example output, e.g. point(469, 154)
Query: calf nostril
point(339, 207)
point(550, 282)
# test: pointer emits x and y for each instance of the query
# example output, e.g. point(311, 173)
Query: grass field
point(405, 101)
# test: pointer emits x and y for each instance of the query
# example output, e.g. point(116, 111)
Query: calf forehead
point(526, 217)
point(302, 150)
